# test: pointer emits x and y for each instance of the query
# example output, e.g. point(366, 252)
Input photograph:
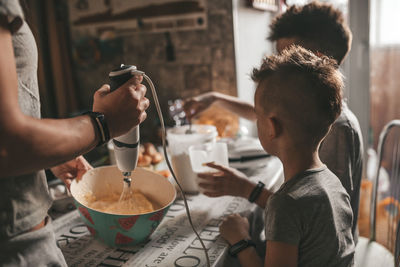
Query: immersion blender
point(126, 147)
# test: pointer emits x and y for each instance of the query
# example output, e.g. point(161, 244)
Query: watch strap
point(239, 246)
point(101, 126)
point(256, 192)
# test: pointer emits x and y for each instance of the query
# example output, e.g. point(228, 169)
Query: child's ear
point(274, 126)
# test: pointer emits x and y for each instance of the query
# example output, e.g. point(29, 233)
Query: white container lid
point(179, 141)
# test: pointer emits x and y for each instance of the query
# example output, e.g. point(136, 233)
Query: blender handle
point(126, 146)
point(117, 82)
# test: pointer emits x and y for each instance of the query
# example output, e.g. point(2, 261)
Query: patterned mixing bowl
point(122, 230)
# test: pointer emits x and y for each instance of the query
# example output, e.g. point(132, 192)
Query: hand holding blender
point(126, 146)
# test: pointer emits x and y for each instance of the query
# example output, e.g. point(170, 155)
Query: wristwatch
point(239, 246)
point(256, 192)
point(101, 126)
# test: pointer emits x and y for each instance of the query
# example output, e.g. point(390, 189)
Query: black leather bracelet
point(101, 126)
point(256, 192)
point(239, 246)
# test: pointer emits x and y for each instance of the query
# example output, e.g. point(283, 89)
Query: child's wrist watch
point(239, 246)
point(256, 192)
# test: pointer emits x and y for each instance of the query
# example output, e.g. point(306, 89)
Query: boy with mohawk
point(320, 28)
point(309, 219)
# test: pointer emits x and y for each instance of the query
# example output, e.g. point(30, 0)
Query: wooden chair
point(383, 246)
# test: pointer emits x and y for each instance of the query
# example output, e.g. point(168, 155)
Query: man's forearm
point(32, 144)
point(237, 106)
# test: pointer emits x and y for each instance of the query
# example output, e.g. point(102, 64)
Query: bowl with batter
point(127, 222)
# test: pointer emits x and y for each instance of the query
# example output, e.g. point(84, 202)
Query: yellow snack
point(144, 160)
point(156, 158)
point(149, 149)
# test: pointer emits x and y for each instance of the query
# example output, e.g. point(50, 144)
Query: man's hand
point(195, 105)
point(73, 169)
point(227, 181)
point(123, 108)
point(234, 228)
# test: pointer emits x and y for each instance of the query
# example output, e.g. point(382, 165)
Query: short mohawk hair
point(309, 88)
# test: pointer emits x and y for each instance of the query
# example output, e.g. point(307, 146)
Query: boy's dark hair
point(304, 89)
point(318, 27)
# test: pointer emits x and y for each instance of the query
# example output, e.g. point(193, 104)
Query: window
point(384, 64)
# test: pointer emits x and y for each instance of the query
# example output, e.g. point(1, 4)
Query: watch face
point(239, 246)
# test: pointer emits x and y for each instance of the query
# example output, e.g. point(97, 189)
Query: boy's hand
point(227, 181)
point(73, 169)
point(123, 108)
point(195, 105)
point(234, 228)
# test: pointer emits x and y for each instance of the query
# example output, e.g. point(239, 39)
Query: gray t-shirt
point(342, 151)
point(24, 199)
point(312, 211)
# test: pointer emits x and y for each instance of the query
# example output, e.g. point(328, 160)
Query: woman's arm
point(28, 144)
point(237, 106)
point(198, 104)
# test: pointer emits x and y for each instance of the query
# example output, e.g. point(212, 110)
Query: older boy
point(321, 29)
point(309, 219)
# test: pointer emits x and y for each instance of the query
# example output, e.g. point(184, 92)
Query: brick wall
point(204, 61)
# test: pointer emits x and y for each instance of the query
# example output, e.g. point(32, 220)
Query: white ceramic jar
point(178, 144)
